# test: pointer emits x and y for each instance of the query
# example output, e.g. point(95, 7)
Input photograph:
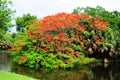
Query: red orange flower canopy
point(54, 22)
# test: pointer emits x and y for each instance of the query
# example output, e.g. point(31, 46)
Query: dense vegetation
point(63, 40)
point(5, 18)
point(22, 22)
point(113, 18)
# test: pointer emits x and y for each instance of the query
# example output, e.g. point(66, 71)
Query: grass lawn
point(13, 76)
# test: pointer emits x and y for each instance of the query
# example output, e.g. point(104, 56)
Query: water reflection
point(50, 74)
point(106, 72)
point(5, 62)
point(84, 72)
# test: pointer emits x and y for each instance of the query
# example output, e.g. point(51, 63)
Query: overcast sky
point(43, 8)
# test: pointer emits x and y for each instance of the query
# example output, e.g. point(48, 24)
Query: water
point(86, 72)
point(5, 62)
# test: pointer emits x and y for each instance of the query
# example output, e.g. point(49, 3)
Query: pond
point(84, 72)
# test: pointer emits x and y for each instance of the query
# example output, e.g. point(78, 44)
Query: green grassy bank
point(13, 76)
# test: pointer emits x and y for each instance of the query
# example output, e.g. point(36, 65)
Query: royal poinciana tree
point(61, 41)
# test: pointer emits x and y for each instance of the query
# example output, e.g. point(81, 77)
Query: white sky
point(43, 8)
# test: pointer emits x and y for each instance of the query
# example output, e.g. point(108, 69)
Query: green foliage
point(24, 21)
point(5, 16)
point(113, 18)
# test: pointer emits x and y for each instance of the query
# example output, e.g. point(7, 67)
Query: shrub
point(59, 41)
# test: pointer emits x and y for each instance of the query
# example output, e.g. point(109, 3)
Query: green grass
point(13, 76)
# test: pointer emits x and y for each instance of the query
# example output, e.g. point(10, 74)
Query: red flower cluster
point(60, 20)
point(23, 59)
point(52, 30)
point(98, 24)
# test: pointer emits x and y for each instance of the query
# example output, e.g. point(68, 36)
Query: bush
point(59, 41)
